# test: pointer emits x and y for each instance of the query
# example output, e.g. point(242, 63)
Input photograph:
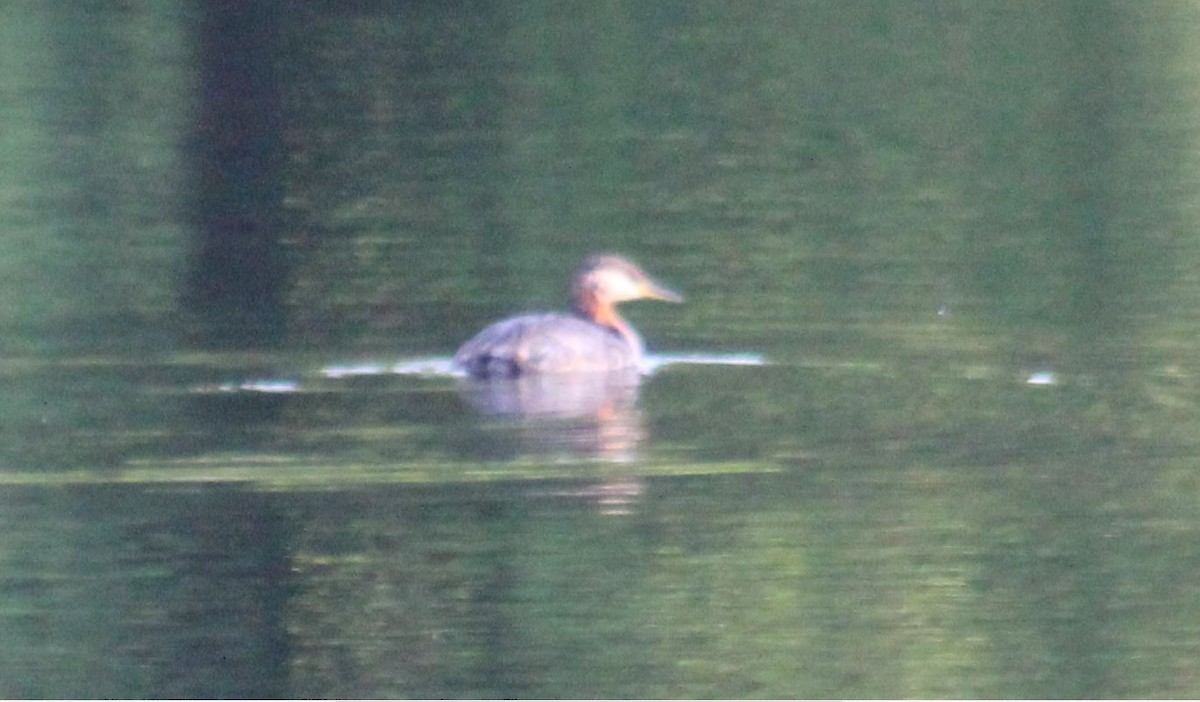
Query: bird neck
point(588, 305)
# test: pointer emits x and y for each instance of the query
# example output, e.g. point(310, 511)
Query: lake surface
point(932, 428)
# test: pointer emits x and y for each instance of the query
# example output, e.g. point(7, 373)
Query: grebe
point(593, 337)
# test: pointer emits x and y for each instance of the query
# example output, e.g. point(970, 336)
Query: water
point(925, 427)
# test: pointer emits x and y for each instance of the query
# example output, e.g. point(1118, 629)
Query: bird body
point(591, 338)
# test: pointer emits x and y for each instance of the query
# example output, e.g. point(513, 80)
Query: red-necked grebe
point(593, 337)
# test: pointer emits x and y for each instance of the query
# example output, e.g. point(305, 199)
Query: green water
point(962, 234)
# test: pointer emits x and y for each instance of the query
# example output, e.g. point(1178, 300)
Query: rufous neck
point(589, 306)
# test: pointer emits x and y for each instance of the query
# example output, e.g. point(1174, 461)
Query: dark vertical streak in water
point(237, 273)
point(223, 606)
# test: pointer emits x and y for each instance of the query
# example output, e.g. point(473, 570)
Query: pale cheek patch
point(617, 286)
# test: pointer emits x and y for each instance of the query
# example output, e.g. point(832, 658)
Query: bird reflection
point(583, 415)
point(571, 416)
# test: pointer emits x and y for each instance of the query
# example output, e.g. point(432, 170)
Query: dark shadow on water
point(234, 288)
